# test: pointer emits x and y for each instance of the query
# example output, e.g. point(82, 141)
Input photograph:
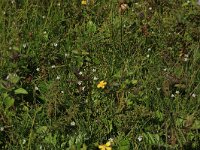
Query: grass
point(54, 54)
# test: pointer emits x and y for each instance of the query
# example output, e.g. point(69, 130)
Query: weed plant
point(75, 76)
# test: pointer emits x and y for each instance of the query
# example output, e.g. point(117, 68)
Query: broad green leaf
point(21, 91)
point(8, 101)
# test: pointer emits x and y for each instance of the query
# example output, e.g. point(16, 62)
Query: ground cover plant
point(108, 74)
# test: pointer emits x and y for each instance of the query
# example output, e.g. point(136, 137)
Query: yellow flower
point(106, 146)
point(84, 2)
point(102, 84)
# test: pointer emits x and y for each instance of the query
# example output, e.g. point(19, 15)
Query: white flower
point(55, 44)
point(43, 17)
point(140, 138)
point(45, 32)
point(53, 66)
point(185, 59)
point(36, 88)
point(111, 140)
point(150, 8)
point(2, 129)
point(80, 73)
point(158, 88)
point(149, 49)
point(95, 78)
point(172, 95)
point(177, 92)
point(58, 4)
point(72, 123)
point(24, 141)
point(194, 95)
point(148, 56)
point(24, 45)
point(165, 69)
point(66, 55)
point(8, 76)
point(58, 78)
point(186, 55)
point(62, 92)
point(93, 70)
point(79, 82)
point(83, 88)
point(38, 69)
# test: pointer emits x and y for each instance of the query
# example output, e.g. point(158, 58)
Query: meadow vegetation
point(76, 76)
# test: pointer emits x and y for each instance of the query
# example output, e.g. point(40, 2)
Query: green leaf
point(134, 82)
point(196, 125)
point(21, 91)
point(8, 101)
point(124, 145)
point(13, 78)
point(41, 129)
point(84, 147)
point(84, 52)
point(159, 115)
point(91, 27)
point(15, 48)
point(96, 61)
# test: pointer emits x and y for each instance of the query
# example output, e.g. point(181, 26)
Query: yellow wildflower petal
point(102, 84)
point(83, 2)
point(102, 147)
point(108, 143)
point(108, 148)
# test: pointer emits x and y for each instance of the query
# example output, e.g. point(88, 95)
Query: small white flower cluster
point(176, 93)
point(193, 95)
point(72, 123)
point(53, 66)
point(58, 78)
point(36, 88)
point(140, 138)
point(186, 57)
point(1, 129)
point(38, 69)
point(55, 44)
point(24, 45)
